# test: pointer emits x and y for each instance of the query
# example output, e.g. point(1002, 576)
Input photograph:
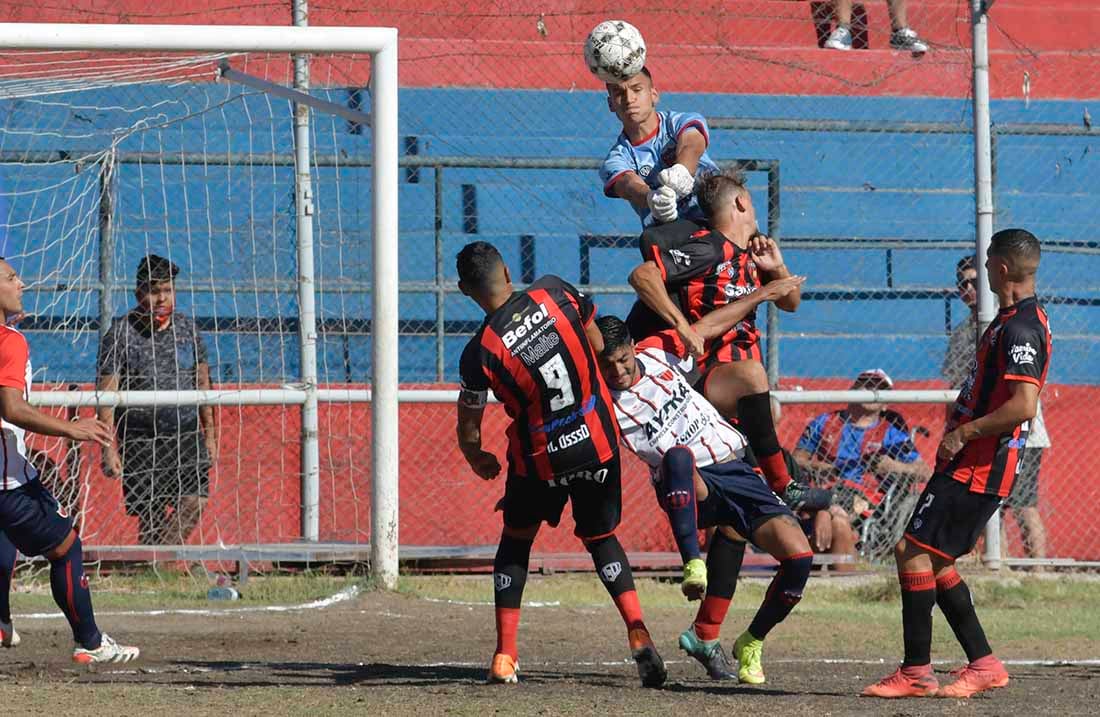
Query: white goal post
point(381, 44)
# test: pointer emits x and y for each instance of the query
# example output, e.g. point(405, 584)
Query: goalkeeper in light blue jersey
point(657, 157)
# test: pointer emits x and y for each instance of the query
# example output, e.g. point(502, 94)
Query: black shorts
point(32, 518)
point(1025, 488)
point(738, 497)
point(595, 492)
point(949, 518)
point(158, 470)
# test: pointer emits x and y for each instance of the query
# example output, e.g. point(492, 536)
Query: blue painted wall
point(235, 224)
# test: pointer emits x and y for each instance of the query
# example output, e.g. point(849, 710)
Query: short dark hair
point(1016, 244)
point(476, 263)
point(965, 264)
point(644, 71)
point(615, 333)
point(716, 190)
point(1020, 249)
point(153, 269)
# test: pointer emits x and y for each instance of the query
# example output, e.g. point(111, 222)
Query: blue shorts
point(738, 497)
point(33, 519)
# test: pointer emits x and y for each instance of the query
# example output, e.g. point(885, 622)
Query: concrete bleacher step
point(753, 70)
point(1053, 24)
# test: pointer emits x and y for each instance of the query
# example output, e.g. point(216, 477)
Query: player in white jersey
point(30, 516)
point(702, 481)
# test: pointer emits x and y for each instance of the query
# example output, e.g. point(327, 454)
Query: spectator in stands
point(902, 37)
point(1024, 497)
point(166, 451)
point(861, 451)
point(830, 531)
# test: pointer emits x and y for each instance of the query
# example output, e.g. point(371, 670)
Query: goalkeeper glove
point(662, 204)
point(799, 496)
point(678, 179)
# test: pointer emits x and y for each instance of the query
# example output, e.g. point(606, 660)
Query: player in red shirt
point(537, 353)
point(975, 467)
point(30, 516)
point(709, 268)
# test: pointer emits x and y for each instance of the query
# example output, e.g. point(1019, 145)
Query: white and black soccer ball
point(614, 51)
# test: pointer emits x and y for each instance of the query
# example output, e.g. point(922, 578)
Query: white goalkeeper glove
point(678, 179)
point(662, 204)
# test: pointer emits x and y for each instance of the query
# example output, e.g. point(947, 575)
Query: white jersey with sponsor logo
point(662, 411)
point(15, 372)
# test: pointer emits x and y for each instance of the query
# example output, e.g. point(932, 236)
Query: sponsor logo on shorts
point(599, 476)
point(502, 581)
point(917, 523)
point(611, 571)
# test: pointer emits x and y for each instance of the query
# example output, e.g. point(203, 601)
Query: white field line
point(341, 596)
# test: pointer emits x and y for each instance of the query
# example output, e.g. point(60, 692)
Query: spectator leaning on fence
point(861, 450)
point(1024, 498)
point(166, 451)
point(902, 37)
point(829, 529)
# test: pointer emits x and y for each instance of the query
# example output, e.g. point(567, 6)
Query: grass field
point(423, 649)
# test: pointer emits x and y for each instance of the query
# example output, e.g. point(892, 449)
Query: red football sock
point(630, 609)
point(775, 470)
point(507, 629)
point(708, 621)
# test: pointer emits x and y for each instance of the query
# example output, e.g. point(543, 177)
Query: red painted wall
point(751, 46)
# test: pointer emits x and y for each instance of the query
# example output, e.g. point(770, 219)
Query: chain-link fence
point(864, 158)
point(124, 174)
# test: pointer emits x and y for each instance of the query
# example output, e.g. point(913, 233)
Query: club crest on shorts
point(611, 571)
point(502, 581)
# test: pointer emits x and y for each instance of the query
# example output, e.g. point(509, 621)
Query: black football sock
point(754, 418)
point(957, 605)
point(918, 595)
point(509, 578)
point(783, 594)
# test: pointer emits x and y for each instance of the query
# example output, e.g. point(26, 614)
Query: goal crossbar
point(195, 38)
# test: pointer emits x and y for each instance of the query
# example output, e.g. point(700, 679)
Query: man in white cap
point(859, 449)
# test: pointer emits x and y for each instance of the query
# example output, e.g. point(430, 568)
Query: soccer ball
point(614, 51)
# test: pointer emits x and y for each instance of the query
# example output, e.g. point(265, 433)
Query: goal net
point(108, 158)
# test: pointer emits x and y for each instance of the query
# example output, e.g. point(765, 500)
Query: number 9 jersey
point(534, 354)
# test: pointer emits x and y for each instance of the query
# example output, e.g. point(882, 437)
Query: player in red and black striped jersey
point(537, 352)
point(975, 466)
point(708, 268)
